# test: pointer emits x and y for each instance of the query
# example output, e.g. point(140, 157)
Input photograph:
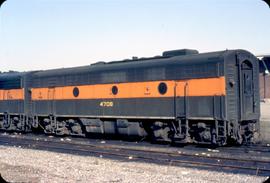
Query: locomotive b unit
point(181, 96)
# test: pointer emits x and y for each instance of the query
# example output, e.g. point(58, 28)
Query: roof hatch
point(180, 52)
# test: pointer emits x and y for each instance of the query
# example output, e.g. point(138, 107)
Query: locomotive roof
point(137, 63)
point(11, 75)
point(125, 64)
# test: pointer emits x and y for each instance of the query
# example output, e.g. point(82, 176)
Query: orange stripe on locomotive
point(192, 87)
point(12, 94)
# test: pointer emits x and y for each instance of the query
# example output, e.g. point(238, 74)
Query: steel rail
point(149, 155)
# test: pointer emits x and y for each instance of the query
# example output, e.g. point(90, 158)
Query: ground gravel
point(25, 165)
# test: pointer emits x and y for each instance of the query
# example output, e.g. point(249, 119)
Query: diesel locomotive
point(182, 96)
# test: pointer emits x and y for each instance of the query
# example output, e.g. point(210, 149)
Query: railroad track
point(179, 158)
point(253, 149)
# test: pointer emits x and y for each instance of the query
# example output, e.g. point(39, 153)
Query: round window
point(76, 92)
point(162, 88)
point(114, 90)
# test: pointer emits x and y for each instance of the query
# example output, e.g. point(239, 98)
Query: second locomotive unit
point(181, 96)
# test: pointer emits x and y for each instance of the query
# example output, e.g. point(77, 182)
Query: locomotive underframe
point(215, 132)
point(15, 122)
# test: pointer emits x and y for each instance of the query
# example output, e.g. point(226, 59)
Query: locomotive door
point(180, 99)
point(51, 101)
point(247, 90)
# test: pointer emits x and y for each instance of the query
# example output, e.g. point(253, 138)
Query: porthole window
point(76, 92)
point(231, 83)
point(162, 88)
point(114, 90)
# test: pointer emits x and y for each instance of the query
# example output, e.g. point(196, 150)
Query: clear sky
point(42, 34)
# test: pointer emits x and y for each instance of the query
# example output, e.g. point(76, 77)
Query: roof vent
point(99, 63)
point(173, 53)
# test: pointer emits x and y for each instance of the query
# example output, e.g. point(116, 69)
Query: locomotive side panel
point(12, 106)
point(155, 99)
point(137, 84)
point(11, 94)
point(205, 107)
point(12, 113)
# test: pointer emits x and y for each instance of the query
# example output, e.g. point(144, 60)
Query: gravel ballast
point(26, 165)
